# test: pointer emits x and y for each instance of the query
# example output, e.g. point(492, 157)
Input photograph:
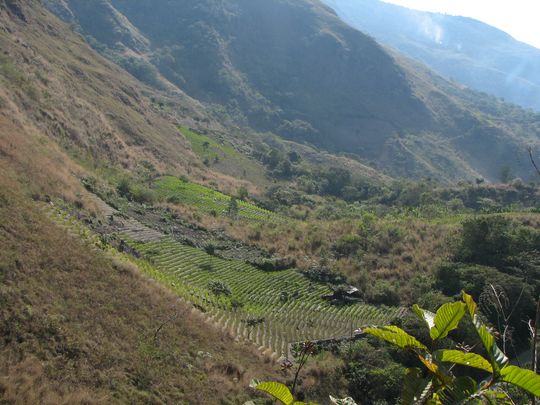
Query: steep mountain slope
point(77, 325)
point(295, 69)
point(464, 49)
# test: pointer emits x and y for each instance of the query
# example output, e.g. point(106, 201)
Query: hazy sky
point(519, 18)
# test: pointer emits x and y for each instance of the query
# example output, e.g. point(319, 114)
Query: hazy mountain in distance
point(296, 69)
point(469, 51)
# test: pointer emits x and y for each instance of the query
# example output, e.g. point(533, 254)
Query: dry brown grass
point(393, 250)
point(86, 103)
point(78, 328)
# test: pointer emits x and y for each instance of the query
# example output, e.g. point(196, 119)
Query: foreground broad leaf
point(415, 388)
point(497, 358)
point(460, 391)
point(396, 336)
point(434, 368)
point(497, 397)
point(277, 390)
point(471, 305)
point(525, 379)
point(465, 359)
point(427, 316)
point(447, 319)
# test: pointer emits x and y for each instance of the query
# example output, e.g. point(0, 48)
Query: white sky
point(519, 18)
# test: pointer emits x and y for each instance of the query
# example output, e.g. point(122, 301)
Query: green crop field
point(210, 201)
point(207, 148)
point(288, 305)
point(220, 154)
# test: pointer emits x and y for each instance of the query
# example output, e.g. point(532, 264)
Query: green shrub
point(347, 245)
point(485, 240)
point(124, 188)
point(384, 293)
point(219, 287)
point(143, 195)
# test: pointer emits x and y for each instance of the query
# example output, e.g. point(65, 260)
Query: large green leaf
point(497, 397)
point(465, 359)
point(497, 358)
point(277, 390)
point(460, 391)
point(415, 387)
point(396, 336)
point(525, 379)
point(447, 319)
point(427, 316)
point(471, 305)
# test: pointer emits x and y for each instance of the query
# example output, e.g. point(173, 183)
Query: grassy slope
point(78, 328)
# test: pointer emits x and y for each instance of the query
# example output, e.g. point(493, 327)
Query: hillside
point(79, 326)
point(294, 68)
point(154, 249)
point(463, 49)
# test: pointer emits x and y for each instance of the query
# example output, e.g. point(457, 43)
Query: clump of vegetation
point(497, 261)
point(219, 287)
point(135, 192)
point(323, 274)
point(444, 378)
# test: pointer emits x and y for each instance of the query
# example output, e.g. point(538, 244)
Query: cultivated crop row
point(271, 309)
point(211, 201)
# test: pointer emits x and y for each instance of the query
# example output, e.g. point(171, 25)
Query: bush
point(143, 195)
point(219, 287)
point(384, 293)
point(323, 274)
point(486, 241)
point(124, 188)
point(347, 245)
point(276, 264)
point(242, 193)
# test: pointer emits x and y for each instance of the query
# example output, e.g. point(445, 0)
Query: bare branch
point(169, 319)
point(529, 149)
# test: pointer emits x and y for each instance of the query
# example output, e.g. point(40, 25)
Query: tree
point(533, 161)
point(505, 174)
point(336, 179)
point(232, 209)
point(243, 193)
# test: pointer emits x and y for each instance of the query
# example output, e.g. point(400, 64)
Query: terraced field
point(287, 304)
point(271, 309)
point(210, 201)
point(207, 148)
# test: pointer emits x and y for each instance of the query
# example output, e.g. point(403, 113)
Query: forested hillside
point(462, 49)
point(294, 68)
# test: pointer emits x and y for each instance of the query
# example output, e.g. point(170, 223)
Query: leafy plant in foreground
point(441, 385)
point(282, 393)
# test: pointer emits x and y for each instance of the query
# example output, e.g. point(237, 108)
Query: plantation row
point(210, 201)
point(271, 309)
point(283, 306)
